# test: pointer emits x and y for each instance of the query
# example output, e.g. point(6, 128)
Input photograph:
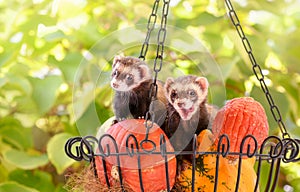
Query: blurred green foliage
point(55, 59)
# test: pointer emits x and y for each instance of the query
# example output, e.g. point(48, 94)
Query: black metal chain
point(257, 69)
point(150, 26)
point(158, 61)
point(161, 37)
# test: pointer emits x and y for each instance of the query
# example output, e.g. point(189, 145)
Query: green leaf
point(9, 54)
point(264, 174)
point(234, 88)
point(292, 91)
point(26, 105)
point(15, 187)
point(279, 99)
point(69, 65)
point(56, 152)
point(44, 92)
point(55, 36)
point(3, 81)
point(34, 20)
point(12, 132)
point(25, 160)
point(70, 128)
point(217, 94)
point(40, 138)
point(89, 121)
point(83, 101)
point(18, 69)
point(3, 173)
point(88, 34)
point(60, 188)
point(20, 83)
point(39, 180)
point(228, 67)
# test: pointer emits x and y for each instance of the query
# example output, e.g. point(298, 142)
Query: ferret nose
point(180, 104)
point(115, 85)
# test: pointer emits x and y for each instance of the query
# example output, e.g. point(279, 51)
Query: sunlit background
point(53, 52)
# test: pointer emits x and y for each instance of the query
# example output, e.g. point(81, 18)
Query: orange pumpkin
point(227, 175)
point(238, 118)
point(205, 171)
point(152, 165)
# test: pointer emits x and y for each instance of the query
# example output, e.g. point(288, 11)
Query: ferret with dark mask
point(131, 79)
point(187, 111)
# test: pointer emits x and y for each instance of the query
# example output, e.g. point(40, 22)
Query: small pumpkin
point(238, 118)
point(227, 175)
point(205, 172)
point(152, 165)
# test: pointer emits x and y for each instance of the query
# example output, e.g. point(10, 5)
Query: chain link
point(256, 69)
point(161, 37)
point(150, 26)
point(158, 61)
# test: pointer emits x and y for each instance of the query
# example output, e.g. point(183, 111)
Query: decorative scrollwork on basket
point(86, 148)
point(272, 151)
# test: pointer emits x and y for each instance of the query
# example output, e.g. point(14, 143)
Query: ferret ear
point(145, 71)
point(117, 59)
point(168, 84)
point(203, 83)
point(136, 60)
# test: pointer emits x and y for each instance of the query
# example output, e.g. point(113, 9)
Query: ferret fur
point(187, 110)
point(131, 80)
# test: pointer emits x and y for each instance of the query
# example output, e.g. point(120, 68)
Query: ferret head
point(128, 73)
point(186, 93)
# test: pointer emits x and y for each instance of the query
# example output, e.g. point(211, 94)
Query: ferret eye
point(192, 93)
point(115, 73)
point(129, 77)
point(173, 94)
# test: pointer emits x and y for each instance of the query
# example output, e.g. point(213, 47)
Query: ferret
point(187, 111)
point(131, 79)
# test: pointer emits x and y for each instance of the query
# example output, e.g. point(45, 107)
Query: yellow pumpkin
point(206, 167)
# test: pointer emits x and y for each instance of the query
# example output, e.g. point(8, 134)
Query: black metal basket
point(273, 151)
